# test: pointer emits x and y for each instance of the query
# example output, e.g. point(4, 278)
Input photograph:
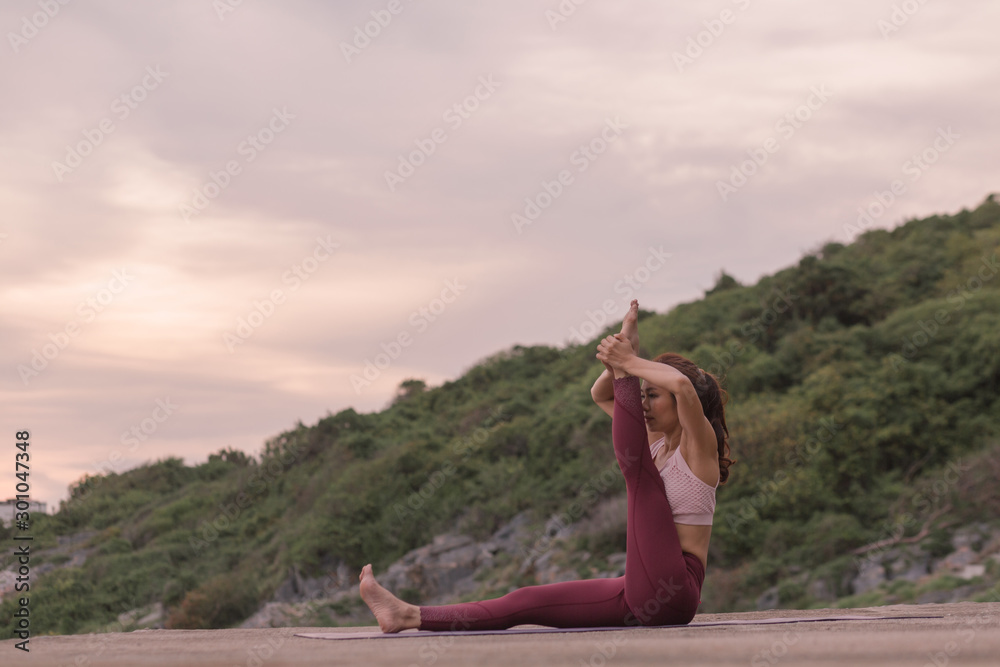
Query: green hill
point(863, 407)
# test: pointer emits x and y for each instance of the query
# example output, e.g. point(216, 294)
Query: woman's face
point(659, 408)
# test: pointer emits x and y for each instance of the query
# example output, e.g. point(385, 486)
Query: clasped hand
point(615, 351)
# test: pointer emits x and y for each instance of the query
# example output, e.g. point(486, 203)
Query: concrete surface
point(968, 635)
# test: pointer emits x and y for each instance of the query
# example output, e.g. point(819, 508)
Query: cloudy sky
point(216, 216)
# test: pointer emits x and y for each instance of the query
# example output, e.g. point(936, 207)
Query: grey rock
point(74, 540)
point(934, 597)
point(151, 616)
point(445, 543)
point(972, 571)
point(768, 599)
point(78, 559)
point(942, 597)
point(298, 588)
point(43, 568)
point(957, 560)
point(872, 575)
point(273, 615)
point(562, 575)
point(912, 565)
point(557, 529)
point(819, 589)
point(971, 536)
point(155, 618)
point(446, 568)
point(508, 537)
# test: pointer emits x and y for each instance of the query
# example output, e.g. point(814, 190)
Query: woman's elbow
point(681, 386)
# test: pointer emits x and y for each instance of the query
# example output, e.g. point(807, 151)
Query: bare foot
point(391, 613)
point(630, 325)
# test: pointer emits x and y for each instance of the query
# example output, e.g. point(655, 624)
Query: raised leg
point(662, 583)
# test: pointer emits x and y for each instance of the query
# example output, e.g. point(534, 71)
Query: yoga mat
point(378, 634)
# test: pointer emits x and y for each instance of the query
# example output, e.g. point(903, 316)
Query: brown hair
point(713, 400)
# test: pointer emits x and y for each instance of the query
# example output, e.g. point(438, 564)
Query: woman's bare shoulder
point(702, 459)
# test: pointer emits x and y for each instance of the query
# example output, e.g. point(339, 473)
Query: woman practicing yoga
point(671, 500)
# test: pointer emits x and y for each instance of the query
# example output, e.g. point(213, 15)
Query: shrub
point(219, 603)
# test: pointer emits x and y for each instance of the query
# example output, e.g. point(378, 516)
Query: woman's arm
point(603, 391)
point(617, 352)
point(657, 374)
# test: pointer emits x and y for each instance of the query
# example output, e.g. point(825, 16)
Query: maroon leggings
point(661, 586)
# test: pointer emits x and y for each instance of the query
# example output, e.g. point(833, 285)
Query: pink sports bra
point(691, 500)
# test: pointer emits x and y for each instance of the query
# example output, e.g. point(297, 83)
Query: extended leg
point(568, 604)
point(662, 584)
